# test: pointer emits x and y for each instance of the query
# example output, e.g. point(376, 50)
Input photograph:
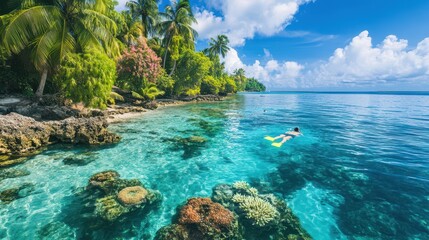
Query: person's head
point(296, 129)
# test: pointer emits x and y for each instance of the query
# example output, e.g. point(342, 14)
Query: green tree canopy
point(87, 77)
point(176, 21)
point(218, 46)
point(147, 11)
point(192, 68)
point(254, 85)
point(56, 29)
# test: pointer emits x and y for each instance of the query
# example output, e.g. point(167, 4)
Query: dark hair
point(296, 129)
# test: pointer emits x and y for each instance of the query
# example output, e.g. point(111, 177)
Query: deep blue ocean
point(360, 171)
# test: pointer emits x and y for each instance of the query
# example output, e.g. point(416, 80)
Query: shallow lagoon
point(361, 169)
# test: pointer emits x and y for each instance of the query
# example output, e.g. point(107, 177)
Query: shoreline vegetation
point(97, 57)
point(80, 62)
point(28, 128)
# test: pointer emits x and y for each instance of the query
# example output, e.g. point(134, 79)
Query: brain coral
point(132, 195)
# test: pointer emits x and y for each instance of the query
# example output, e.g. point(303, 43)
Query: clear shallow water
point(361, 169)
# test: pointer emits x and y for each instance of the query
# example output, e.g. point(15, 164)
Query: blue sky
point(323, 44)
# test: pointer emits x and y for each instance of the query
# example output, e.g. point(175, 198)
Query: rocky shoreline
point(26, 126)
point(22, 136)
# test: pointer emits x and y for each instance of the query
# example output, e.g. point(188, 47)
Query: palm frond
point(26, 25)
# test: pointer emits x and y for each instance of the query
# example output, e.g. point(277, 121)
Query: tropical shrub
point(87, 77)
point(228, 85)
point(210, 85)
point(137, 67)
point(165, 83)
point(192, 68)
point(150, 92)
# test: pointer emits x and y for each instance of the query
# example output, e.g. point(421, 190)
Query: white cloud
point(242, 19)
point(272, 74)
point(121, 5)
point(358, 63)
point(362, 63)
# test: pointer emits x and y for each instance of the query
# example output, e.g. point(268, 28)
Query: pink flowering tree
point(138, 68)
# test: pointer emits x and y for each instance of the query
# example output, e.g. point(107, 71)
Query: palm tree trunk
point(166, 52)
point(42, 83)
point(144, 27)
point(174, 67)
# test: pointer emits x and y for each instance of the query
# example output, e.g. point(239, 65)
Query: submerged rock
point(190, 145)
point(20, 136)
point(12, 194)
point(13, 173)
point(80, 160)
point(56, 230)
point(203, 219)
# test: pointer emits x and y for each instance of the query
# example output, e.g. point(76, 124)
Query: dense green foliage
point(176, 28)
point(147, 11)
point(75, 43)
point(54, 29)
point(218, 46)
point(87, 77)
point(192, 68)
point(253, 85)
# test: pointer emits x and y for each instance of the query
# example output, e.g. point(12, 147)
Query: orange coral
point(203, 211)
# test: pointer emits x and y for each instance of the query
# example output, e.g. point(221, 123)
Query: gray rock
point(20, 136)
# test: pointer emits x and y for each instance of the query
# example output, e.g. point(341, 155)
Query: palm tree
point(177, 21)
point(53, 30)
point(147, 10)
point(218, 46)
point(131, 30)
point(240, 78)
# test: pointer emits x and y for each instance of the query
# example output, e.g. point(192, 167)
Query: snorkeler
point(286, 137)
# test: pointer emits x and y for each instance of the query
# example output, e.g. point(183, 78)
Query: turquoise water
point(361, 170)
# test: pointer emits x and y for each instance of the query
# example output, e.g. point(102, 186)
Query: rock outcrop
point(21, 136)
point(10, 195)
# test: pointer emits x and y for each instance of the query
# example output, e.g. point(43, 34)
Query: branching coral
point(245, 188)
point(241, 185)
point(259, 211)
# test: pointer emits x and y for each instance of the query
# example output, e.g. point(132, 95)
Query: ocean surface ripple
point(361, 170)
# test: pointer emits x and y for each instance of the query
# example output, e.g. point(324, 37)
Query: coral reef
point(12, 194)
point(109, 208)
point(236, 211)
point(263, 216)
point(257, 210)
point(173, 232)
point(202, 219)
point(113, 197)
